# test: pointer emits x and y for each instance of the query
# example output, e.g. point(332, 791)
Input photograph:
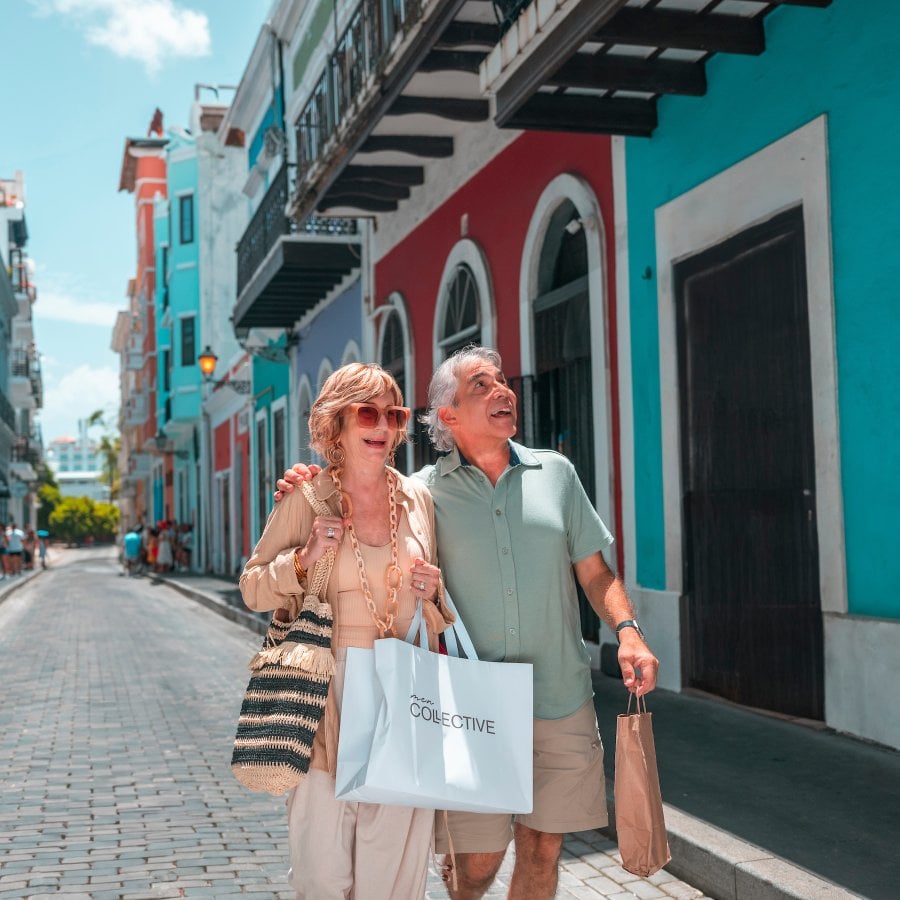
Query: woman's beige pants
point(355, 851)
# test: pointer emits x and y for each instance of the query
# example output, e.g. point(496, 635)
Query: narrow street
point(120, 698)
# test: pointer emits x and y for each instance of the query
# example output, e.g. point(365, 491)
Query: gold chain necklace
point(393, 575)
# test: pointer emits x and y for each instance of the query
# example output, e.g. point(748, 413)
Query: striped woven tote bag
point(285, 698)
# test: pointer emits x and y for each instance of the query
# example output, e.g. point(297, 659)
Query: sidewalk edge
point(9, 589)
point(214, 603)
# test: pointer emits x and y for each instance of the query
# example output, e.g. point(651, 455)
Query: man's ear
point(447, 415)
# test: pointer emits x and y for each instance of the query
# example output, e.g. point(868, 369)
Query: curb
point(17, 582)
point(248, 620)
point(715, 861)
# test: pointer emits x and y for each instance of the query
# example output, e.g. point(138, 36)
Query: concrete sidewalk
point(756, 806)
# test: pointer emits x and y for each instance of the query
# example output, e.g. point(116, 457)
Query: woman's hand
point(426, 579)
point(297, 474)
point(326, 534)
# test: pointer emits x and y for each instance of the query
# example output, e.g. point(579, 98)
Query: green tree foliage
point(76, 518)
point(48, 495)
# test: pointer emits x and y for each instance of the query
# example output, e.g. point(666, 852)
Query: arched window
point(462, 312)
point(393, 355)
point(304, 405)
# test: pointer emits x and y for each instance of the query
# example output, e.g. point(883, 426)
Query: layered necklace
point(393, 575)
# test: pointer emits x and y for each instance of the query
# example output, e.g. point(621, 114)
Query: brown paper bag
point(640, 825)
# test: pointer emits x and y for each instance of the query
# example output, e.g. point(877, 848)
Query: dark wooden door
point(562, 397)
point(752, 611)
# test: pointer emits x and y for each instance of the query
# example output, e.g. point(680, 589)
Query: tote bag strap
point(318, 581)
point(456, 637)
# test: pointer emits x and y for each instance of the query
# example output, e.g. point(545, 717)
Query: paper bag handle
point(640, 700)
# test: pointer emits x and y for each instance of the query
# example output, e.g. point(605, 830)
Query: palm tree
point(109, 450)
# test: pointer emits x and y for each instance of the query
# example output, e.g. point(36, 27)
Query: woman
point(382, 530)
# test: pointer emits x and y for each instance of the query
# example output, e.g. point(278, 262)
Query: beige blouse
point(269, 581)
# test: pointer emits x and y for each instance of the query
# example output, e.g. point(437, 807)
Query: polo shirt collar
point(518, 455)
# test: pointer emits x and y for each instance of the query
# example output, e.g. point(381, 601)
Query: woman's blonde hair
point(353, 383)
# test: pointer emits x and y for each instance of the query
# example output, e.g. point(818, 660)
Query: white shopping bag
point(439, 732)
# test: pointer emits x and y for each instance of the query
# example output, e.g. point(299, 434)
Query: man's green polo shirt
point(506, 552)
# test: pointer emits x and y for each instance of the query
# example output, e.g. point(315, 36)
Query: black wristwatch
point(630, 623)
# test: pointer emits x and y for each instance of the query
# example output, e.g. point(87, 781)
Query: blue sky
point(79, 77)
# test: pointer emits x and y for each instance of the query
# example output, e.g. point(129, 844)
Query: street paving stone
point(120, 699)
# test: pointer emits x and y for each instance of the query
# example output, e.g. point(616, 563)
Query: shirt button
point(505, 550)
point(512, 630)
point(509, 591)
point(497, 512)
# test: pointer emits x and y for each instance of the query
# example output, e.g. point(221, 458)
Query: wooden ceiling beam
point(403, 175)
point(611, 72)
point(380, 190)
point(586, 115)
point(368, 204)
point(413, 144)
point(444, 107)
point(710, 33)
point(472, 34)
point(453, 61)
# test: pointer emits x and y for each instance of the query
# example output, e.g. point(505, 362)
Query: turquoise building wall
point(837, 61)
point(183, 286)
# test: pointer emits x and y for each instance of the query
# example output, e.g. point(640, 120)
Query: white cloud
point(61, 307)
point(146, 30)
point(75, 396)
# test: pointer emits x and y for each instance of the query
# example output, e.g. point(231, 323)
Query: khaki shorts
point(569, 789)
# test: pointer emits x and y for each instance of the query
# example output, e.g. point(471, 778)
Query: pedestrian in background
point(28, 545)
point(164, 552)
point(42, 550)
point(15, 539)
point(382, 530)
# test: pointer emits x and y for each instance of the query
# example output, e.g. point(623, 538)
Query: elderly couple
point(512, 529)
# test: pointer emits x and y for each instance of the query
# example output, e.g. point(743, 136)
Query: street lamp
point(207, 361)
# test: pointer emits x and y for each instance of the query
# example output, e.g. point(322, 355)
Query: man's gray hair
point(444, 388)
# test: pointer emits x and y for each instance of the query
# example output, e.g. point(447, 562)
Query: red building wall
point(499, 201)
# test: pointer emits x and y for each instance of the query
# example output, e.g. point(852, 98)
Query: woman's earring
point(335, 455)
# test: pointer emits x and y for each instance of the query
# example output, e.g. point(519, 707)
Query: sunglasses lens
point(396, 419)
point(367, 416)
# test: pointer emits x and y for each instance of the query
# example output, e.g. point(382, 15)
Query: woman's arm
point(269, 580)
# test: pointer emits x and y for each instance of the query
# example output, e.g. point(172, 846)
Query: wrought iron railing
point(7, 413)
point(362, 51)
point(25, 450)
point(20, 363)
point(507, 11)
point(269, 223)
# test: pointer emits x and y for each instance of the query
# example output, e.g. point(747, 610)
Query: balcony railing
point(26, 451)
point(361, 53)
point(269, 223)
point(507, 11)
point(7, 414)
point(20, 363)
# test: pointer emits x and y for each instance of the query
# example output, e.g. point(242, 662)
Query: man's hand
point(634, 654)
point(296, 474)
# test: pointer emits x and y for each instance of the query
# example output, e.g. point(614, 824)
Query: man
point(513, 525)
point(15, 545)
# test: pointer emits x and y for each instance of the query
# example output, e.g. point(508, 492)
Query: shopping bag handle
point(640, 700)
point(456, 637)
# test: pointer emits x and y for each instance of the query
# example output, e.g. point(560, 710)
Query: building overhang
point(297, 273)
point(587, 66)
point(600, 66)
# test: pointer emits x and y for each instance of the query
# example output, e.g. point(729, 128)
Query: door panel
point(752, 606)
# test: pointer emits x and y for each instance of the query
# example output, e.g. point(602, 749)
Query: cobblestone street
point(120, 699)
